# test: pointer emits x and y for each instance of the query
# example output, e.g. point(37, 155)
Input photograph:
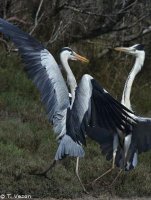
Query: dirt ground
point(87, 197)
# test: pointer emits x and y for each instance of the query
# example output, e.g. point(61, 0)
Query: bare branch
point(128, 5)
point(36, 17)
point(132, 25)
point(75, 9)
point(5, 44)
point(15, 18)
point(137, 35)
point(147, 30)
point(60, 30)
point(55, 34)
point(103, 53)
point(4, 8)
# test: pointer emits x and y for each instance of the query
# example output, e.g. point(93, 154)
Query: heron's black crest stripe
point(66, 49)
point(140, 47)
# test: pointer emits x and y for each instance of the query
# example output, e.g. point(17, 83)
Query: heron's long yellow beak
point(123, 49)
point(81, 58)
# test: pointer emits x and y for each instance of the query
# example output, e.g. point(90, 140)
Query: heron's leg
point(115, 146)
point(44, 173)
point(77, 174)
point(116, 177)
point(109, 170)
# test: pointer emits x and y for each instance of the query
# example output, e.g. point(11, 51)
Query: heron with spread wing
point(91, 105)
point(140, 138)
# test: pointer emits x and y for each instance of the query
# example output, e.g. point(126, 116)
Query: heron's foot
point(42, 174)
point(115, 179)
point(85, 191)
point(83, 187)
point(108, 171)
point(77, 174)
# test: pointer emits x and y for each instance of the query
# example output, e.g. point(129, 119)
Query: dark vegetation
point(27, 143)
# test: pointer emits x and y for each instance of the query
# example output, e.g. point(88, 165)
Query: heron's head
point(68, 54)
point(136, 50)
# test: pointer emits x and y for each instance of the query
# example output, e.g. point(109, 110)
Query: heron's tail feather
point(68, 147)
point(132, 158)
point(119, 159)
point(130, 161)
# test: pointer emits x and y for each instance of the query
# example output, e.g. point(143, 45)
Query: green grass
point(27, 145)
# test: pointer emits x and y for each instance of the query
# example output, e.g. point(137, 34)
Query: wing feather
point(42, 68)
point(94, 107)
point(141, 135)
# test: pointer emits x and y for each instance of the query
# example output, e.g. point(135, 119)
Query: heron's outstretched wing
point(140, 142)
point(141, 135)
point(105, 140)
point(45, 73)
point(95, 107)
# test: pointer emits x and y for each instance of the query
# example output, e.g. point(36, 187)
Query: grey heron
point(140, 138)
point(91, 105)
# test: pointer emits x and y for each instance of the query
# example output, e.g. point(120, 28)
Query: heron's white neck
point(128, 85)
point(70, 77)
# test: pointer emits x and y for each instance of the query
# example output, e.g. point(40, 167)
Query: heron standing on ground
point(138, 140)
point(91, 105)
